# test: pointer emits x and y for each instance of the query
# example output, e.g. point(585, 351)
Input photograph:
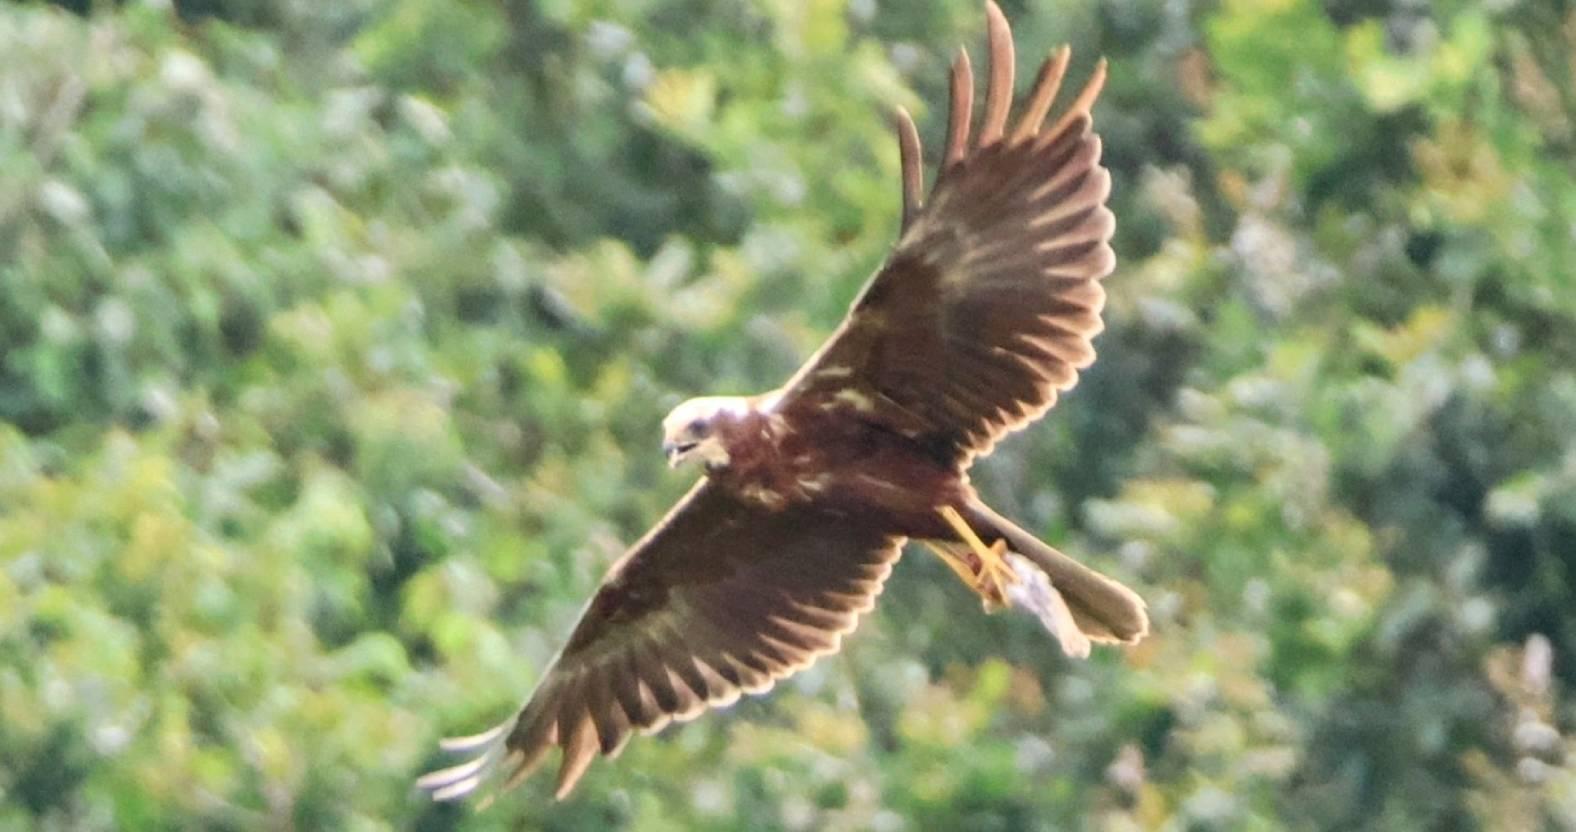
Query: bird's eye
point(697, 427)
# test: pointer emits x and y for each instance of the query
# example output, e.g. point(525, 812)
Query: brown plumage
point(982, 314)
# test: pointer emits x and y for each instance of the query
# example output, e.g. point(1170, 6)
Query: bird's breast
point(838, 463)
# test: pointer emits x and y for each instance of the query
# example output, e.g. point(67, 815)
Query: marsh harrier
point(983, 312)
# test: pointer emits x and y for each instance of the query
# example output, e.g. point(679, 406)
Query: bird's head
point(693, 432)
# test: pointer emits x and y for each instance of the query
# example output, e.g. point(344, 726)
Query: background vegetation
point(334, 338)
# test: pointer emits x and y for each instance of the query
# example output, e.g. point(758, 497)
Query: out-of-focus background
point(334, 339)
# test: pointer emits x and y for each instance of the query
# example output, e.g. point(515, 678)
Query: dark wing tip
point(459, 780)
point(998, 88)
point(1083, 105)
point(579, 750)
point(1046, 85)
point(913, 165)
point(962, 109)
point(998, 101)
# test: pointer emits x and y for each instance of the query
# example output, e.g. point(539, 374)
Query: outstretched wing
point(721, 598)
point(987, 307)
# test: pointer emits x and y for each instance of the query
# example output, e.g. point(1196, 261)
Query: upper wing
point(719, 599)
point(986, 309)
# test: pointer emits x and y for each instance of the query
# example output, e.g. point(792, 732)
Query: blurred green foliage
point(334, 338)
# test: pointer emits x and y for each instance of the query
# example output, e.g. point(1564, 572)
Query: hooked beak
point(675, 451)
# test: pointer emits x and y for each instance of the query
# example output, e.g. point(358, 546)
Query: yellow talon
point(955, 563)
point(994, 575)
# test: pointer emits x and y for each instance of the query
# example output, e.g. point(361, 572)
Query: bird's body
point(983, 313)
point(777, 458)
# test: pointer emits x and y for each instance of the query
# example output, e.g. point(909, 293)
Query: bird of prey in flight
point(981, 315)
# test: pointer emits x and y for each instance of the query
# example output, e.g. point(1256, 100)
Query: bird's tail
point(1102, 607)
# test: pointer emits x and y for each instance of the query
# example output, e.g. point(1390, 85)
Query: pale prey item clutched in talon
point(1033, 592)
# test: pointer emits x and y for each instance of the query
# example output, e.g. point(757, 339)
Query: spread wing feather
point(720, 599)
point(987, 308)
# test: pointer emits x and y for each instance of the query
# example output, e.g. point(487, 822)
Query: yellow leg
point(994, 574)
